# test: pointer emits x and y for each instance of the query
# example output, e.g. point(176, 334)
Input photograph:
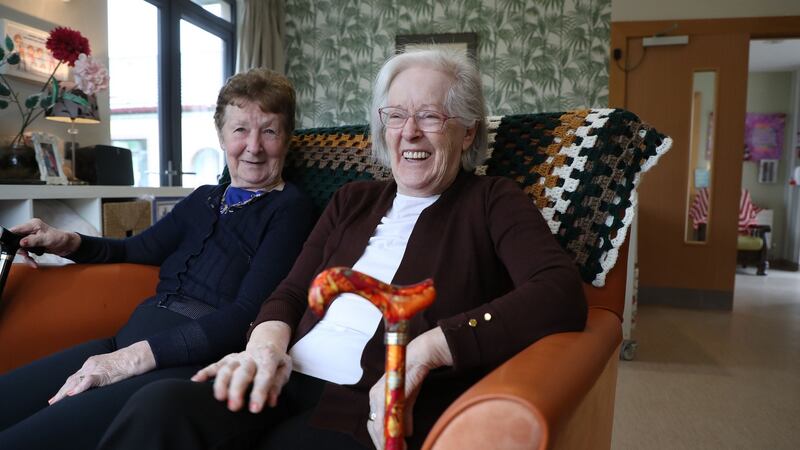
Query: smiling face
point(255, 145)
point(424, 163)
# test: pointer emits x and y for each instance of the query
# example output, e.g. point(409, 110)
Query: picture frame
point(36, 62)
point(48, 156)
point(768, 171)
point(162, 206)
point(467, 42)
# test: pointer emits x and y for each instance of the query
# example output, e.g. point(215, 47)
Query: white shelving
point(18, 203)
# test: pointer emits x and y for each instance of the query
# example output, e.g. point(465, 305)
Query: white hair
point(464, 99)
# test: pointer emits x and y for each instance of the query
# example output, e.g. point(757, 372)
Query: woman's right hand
point(40, 234)
point(264, 364)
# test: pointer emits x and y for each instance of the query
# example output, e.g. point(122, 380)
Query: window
point(218, 8)
point(165, 83)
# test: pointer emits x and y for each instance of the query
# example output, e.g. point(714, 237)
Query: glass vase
point(18, 164)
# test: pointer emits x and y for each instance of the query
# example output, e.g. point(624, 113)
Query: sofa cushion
point(749, 243)
point(579, 167)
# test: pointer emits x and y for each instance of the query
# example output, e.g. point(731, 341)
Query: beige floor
point(716, 380)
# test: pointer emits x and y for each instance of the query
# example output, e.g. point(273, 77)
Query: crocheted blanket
point(580, 168)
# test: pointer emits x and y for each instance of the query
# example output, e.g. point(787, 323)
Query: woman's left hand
point(426, 352)
point(108, 368)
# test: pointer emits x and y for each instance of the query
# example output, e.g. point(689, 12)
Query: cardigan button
point(487, 317)
point(473, 323)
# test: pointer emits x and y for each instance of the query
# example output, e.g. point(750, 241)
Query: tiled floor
point(713, 379)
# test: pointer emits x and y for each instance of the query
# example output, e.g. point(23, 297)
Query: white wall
point(770, 92)
point(86, 16)
point(792, 248)
point(629, 10)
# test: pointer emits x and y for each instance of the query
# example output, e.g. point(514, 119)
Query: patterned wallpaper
point(535, 55)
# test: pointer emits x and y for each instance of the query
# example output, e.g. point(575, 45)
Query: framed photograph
point(163, 205)
point(768, 171)
point(467, 42)
point(51, 164)
point(36, 62)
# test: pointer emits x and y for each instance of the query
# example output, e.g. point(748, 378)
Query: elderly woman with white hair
point(502, 282)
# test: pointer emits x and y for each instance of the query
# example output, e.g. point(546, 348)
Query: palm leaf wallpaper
point(535, 55)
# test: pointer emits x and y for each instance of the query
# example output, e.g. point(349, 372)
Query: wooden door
point(658, 87)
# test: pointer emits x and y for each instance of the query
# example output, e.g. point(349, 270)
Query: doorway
point(770, 158)
point(657, 84)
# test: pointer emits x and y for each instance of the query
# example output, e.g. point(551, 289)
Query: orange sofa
point(556, 394)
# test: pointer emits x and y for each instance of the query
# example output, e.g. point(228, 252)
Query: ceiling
point(774, 55)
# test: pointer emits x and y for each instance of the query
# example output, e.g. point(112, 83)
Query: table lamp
point(74, 106)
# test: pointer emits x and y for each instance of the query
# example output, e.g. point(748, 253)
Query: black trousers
point(77, 422)
point(179, 414)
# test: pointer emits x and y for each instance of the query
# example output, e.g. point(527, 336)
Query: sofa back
point(580, 168)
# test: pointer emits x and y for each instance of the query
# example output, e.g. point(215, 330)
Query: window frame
point(170, 14)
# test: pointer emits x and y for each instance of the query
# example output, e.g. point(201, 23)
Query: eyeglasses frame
point(414, 115)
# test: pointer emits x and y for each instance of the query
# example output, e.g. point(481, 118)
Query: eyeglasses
point(430, 121)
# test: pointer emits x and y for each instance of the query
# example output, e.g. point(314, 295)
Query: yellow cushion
point(749, 243)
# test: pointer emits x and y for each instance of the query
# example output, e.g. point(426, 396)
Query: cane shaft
point(393, 429)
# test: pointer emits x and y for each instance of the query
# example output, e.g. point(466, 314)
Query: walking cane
point(9, 244)
point(398, 304)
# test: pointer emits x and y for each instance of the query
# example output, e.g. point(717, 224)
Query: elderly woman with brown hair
point(222, 250)
point(502, 282)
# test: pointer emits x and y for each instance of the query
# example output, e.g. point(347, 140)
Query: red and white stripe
point(698, 212)
point(747, 211)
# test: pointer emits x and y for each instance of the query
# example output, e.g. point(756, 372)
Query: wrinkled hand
point(40, 234)
point(265, 366)
point(377, 403)
point(424, 353)
point(108, 368)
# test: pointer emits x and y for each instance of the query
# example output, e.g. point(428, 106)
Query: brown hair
point(272, 92)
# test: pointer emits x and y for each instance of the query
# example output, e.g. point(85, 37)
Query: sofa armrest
point(52, 308)
point(547, 396)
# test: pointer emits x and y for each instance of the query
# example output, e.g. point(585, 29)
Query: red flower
point(66, 44)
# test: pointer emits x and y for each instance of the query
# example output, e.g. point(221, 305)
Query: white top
point(332, 350)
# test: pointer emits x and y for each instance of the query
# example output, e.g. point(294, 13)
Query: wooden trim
point(691, 189)
point(757, 27)
point(621, 32)
point(686, 298)
point(617, 78)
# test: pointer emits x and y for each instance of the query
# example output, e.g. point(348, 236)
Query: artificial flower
point(66, 45)
point(90, 76)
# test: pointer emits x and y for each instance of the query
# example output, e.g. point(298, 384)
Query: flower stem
point(28, 116)
point(50, 78)
point(13, 94)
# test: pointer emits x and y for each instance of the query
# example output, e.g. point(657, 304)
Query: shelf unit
point(18, 203)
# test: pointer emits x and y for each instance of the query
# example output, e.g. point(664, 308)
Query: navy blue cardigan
point(215, 269)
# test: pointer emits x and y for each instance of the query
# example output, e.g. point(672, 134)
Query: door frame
point(756, 27)
point(777, 27)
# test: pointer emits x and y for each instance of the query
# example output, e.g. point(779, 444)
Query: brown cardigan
point(492, 258)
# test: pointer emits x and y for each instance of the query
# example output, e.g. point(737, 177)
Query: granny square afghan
point(321, 160)
point(580, 168)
